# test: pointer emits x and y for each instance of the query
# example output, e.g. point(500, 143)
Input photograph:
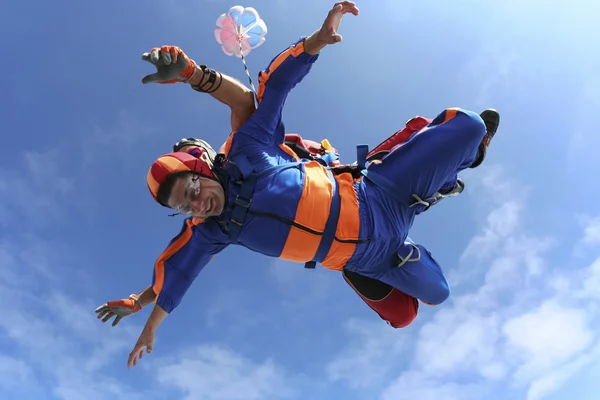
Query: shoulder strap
point(247, 178)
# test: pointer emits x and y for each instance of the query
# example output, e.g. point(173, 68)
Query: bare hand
point(328, 32)
point(145, 341)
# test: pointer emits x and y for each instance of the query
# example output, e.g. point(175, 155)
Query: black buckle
point(310, 265)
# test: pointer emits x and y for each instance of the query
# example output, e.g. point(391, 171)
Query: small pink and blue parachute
point(240, 30)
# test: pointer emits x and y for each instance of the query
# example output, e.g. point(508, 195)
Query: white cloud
point(548, 383)
point(591, 231)
point(459, 340)
point(590, 286)
point(546, 337)
point(372, 352)
point(503, 219)
point(415, 385)
point(216, 373)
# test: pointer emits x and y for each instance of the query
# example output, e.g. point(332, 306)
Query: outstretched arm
point(174, 272)
point(173, 65)
point(328, 32)
point(122, 308)
point(288, 69)
point(146, 339)
point(228, 91)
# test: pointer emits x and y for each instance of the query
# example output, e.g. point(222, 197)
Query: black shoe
point(491, 119)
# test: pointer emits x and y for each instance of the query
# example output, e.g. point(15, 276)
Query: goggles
point(191, 192)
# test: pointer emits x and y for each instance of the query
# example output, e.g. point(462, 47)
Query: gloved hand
point(121, 308)
point(171, 63)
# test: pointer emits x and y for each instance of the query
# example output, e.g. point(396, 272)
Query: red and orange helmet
point(172, 163)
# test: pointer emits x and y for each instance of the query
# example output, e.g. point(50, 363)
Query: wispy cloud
point(55, 334)
point(217, 373)
point(14, 373)
point(372, 352)
point(122, 137)
point(591, 231)
point(31, 187)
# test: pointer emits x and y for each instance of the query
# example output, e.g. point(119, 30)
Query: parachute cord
point(248, 73)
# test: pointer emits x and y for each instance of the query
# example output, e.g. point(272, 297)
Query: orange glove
point(171, 63)
point(121, 308)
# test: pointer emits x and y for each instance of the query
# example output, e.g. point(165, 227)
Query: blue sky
point(78, 227)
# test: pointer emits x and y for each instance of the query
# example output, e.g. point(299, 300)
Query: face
point(197, 196)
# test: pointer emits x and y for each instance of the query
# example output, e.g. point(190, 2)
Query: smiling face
point(198, 196)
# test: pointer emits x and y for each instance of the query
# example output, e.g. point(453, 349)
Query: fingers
point(345, 7)
point(117, 319)
point(171, 63)
point(152, 56)
point(138, 352)
point(101, 308)
point(112, 308)
point(168, 55)
point(104, 312)
point(108, 315)
point(150, 78)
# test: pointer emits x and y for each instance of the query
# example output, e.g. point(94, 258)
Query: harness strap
point(243, 199)
point(242, 203)
point(362, 151)
point(330, 225)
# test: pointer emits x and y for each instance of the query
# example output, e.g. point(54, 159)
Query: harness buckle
point(234, 221)
point(242, 202)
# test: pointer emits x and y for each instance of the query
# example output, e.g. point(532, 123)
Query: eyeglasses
point(191, 191)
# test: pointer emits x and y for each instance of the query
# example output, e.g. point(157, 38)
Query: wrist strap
point(137, 302)
point(211, 82)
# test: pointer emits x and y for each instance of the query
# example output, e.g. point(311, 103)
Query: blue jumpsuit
point(300, 211)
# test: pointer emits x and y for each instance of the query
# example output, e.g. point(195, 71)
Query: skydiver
point(353, 219)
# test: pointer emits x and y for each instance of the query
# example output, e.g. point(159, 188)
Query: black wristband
point(211, 82)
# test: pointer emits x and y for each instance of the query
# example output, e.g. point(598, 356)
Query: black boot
point(491, 118)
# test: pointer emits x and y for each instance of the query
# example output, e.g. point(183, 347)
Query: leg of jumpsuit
point(429, 162)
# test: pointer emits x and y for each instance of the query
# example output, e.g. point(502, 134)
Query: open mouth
point(209, 208)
